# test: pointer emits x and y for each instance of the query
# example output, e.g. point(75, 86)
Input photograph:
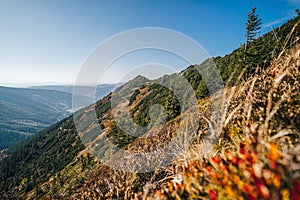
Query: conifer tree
point(252, 48)
point(252, 26)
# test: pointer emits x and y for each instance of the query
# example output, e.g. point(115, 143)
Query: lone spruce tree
point(252, 26)
point(252, 48)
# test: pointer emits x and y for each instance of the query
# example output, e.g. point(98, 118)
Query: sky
point(46, 42)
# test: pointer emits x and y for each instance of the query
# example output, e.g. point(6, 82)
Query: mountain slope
point(87, 178)
point(45, 153)
point(83, 177)
point(25, 111)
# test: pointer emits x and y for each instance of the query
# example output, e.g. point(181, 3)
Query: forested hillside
point(24, 111)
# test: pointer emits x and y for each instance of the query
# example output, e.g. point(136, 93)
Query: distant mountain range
point(24, 111)
point(101, 90)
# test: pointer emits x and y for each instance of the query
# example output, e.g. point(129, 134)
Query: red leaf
point(212, 195)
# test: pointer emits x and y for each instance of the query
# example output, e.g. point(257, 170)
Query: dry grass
point(258, 145)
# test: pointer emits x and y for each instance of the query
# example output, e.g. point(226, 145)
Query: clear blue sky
point(46, 41)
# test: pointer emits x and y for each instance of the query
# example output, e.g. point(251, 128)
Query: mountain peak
point(139, 78)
